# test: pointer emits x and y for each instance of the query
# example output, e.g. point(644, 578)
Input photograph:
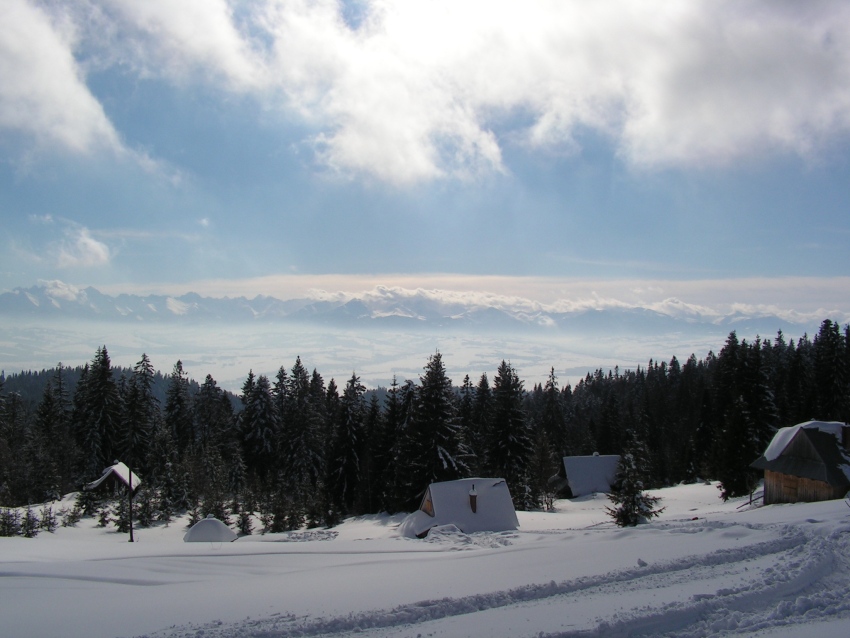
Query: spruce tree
point(479, 434)
point(632, 505)
point(213, 416)
point(347, 448)
point(179, 414)
point(375, 452)
point(141, 416)
point(301, 431)
point(509, 444)
point(439, 453)
point(552, 417)
point(466, 420)
point(406, 491)
point(259, 425)
point(102, 416)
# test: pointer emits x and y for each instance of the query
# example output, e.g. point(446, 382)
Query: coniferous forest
point(298, 450)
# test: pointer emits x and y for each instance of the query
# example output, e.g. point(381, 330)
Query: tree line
point(301, 451)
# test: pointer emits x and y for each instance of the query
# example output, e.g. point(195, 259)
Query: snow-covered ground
point(703, 568)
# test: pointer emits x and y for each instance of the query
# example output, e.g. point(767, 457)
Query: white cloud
point(427, 90)
point(60, 290)
point(42, 92)
point(181, 39)
point(418, 90)
point(80, 249)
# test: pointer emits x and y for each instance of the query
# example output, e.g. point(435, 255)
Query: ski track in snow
point(802, 576)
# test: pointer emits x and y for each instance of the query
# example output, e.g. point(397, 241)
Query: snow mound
point(210, 530)
point(452, 536)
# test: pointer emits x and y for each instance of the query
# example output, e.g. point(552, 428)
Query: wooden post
point(130, 498)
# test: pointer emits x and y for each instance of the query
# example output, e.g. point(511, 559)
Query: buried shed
point(582, 475)
point(209, 530)
point(472, 505)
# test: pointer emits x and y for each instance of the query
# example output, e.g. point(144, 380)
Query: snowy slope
point(704, 568)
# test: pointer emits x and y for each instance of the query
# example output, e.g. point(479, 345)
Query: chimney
point(845, 436)
point(473, 499)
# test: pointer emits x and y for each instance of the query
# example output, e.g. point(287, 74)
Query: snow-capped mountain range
point(391, 307)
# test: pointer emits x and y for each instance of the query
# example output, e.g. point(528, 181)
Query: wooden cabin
point(807, 462)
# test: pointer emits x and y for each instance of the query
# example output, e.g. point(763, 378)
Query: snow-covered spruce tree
point(631, 504)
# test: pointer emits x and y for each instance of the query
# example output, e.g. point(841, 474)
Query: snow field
point(705, 568)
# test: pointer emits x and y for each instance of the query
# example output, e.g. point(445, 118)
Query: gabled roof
point(118, 471)
point(589, 474)
point(811, 450)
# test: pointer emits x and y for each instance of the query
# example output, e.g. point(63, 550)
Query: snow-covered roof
point(119, 471)
point(450, 503)
point(209, 530)
point(784, 436)
point(589, 474)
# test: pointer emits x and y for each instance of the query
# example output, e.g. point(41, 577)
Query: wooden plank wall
point(784, 488)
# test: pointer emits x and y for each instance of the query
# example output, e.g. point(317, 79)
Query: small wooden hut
point(807, 462)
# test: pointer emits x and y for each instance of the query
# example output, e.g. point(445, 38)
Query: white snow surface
point(703, 568)
point(783, 436)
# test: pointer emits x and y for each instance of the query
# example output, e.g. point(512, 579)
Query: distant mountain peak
point(391, 306)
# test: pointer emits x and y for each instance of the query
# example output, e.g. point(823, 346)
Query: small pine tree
point(122, 513)
point(71, 517)
point(103, 517)
point(632, 504)
point(29, 524)
point(144, 512)
point(47, 520)
point(214, 505)
point(266, 519)
point(194, 514)
point(245, 523)
point(88, 503)
point(10, 522)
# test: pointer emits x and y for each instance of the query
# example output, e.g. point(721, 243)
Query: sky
point(697, 149)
